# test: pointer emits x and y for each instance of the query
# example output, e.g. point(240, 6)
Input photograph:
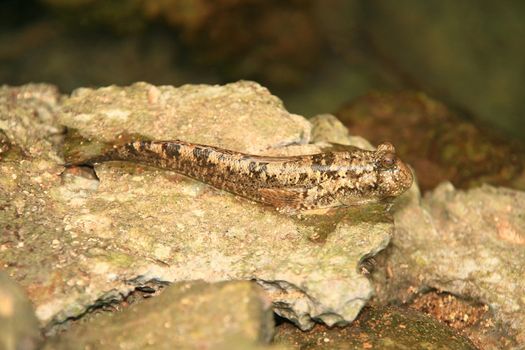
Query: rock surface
point(75, 241)
point(185, 315)
point(28, 120)
point(241, 116)
point(467, 243)
point(18, 323)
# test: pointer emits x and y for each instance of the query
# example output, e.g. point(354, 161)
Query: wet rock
point(185, 315)
point(467, 243)
point(436, 142)
point(467, 53)
point(76, 241)
point(377, 328)
point(18, 324)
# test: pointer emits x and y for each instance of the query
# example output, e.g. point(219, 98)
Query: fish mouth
point(399, 180)
point(405, 177)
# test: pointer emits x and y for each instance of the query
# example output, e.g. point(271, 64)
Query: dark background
point(317, 55)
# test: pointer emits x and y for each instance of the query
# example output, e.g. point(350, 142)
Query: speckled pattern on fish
point(324, 180)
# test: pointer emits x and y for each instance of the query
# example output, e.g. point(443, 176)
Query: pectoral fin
point(282, 198)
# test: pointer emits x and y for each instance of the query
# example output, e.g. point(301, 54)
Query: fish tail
point(80, 150)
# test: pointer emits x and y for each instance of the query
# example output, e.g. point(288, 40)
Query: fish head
point(394, 177)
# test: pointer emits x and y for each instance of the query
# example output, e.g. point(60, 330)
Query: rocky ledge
point(80, 238)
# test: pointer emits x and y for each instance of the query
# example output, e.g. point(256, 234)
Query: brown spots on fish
point(132, 149)
point(252, 167)
point(303, 177)
point(171, 150)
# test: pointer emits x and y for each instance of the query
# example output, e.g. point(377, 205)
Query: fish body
point(318, 181)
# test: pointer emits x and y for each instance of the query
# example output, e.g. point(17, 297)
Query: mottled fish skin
point(324, 180)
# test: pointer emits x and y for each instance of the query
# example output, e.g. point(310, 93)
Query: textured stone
point(28, 119)
point(185, 316)
point(467, 243)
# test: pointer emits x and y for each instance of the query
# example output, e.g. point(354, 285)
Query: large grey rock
point(79, 240)
point(467, 243)
point(18, 324)
point(186, 315)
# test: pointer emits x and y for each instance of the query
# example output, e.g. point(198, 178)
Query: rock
point(327, 128)
point(377, 328)
point(466, 243)
point(467, 53)
point(28, 120)
point(76, 241)
point(184, 316)
point(240, 116)
point(18, 324)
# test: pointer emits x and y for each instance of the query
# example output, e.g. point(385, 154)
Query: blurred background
point(443, 80)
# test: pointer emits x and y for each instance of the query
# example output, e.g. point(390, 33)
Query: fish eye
point(388, 160)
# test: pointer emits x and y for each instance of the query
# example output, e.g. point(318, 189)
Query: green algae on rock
point(385, 328)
